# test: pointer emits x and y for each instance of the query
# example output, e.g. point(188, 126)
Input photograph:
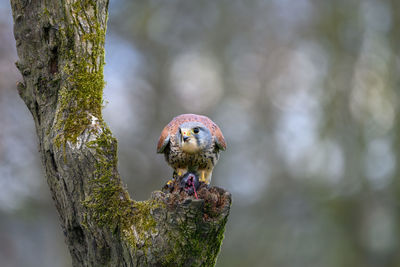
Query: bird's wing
point(219, 138)
point(163, 141)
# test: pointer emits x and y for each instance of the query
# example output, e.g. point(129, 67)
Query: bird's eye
point(196, 130)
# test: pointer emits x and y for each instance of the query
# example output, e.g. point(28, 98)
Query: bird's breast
point(201, 160)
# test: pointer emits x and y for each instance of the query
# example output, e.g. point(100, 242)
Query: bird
point(191, 143)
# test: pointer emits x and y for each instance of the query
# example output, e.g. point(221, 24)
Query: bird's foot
point(205, 176)
point(169, 186)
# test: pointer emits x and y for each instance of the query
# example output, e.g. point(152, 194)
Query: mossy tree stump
point(61, 57)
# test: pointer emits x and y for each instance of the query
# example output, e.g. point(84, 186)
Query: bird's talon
point(169, 186)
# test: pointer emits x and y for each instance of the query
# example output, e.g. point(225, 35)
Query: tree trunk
point(61, 57)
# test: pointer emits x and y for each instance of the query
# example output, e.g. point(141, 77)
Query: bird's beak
point(185, 134)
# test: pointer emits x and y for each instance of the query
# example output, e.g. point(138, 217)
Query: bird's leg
point(205, 176)
point(202, 176)
point(181, 171)
point(178, 173)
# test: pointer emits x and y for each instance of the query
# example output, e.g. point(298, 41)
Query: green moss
point(142, 225)
point(78, 104)
point(189, 241)
point(82, 97)
point(46, 12)
point(108, 203)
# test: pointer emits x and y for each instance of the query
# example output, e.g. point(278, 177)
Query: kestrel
point(192, 143)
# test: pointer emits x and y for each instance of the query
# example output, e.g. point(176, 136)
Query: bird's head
point(194, 137)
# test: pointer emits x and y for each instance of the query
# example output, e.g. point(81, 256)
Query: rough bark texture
point(61, 49)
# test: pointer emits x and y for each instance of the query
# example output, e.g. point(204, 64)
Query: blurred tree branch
point(61, 57)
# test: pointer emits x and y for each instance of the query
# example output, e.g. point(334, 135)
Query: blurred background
point(306, 93)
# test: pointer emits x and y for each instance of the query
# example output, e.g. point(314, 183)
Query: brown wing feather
point(172, 128)
point(220, 137)
point(161, 140)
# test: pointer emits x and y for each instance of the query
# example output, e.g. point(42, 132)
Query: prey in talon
point(190, 183)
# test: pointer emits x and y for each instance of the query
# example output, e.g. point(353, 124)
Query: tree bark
point(61, 57)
